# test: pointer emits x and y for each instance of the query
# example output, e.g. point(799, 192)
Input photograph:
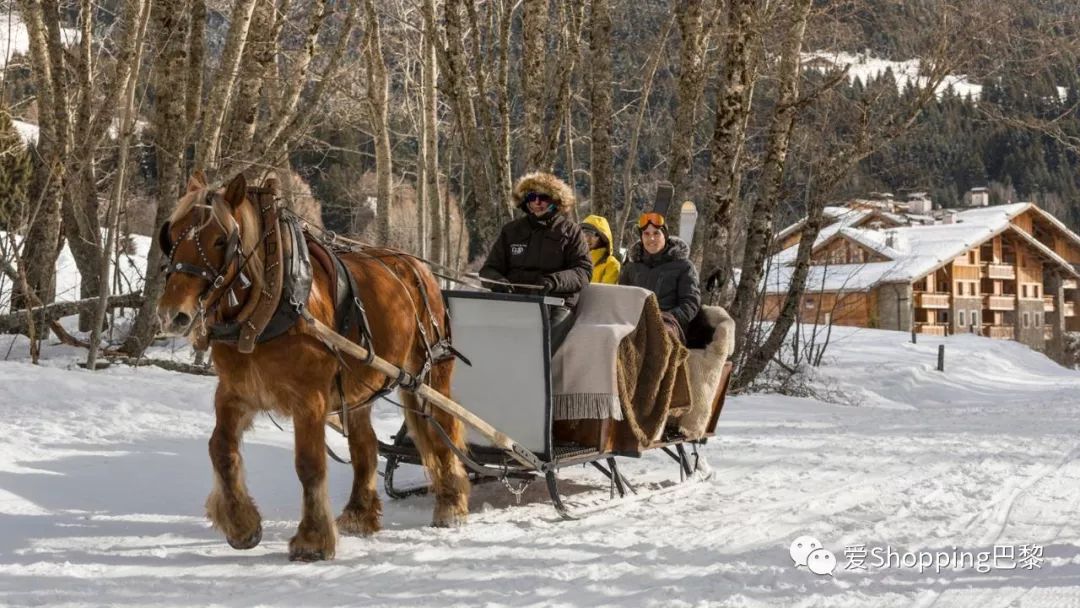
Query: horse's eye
point(219, 242)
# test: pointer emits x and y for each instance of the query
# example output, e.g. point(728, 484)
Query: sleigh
point(525, 419)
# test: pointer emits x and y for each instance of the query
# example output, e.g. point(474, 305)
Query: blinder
point(214, 277)
point(164, 240)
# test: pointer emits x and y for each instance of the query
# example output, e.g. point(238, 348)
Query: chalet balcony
point(932, 300)
point(930, 329)
point(998, 271)
point(999, 332)
point(1069, 284)
point(1069, 308)
point(1048, 304)
point(1005, 302)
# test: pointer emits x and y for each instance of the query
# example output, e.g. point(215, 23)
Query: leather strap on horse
point(270, 296)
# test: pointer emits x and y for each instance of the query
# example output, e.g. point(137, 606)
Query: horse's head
point(204, 244)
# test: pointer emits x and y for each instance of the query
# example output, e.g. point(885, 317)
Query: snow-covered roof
point(924, 250)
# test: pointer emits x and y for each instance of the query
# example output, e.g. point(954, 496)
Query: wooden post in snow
point(941, 357)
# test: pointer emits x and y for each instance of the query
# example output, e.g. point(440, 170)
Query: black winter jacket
point(530, 250)
point(669, 274)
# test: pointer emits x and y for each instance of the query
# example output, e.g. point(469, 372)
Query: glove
point(547, 284)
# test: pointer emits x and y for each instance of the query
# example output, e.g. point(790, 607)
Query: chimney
point(919, 203)
point(977, 197)
point(895, 240)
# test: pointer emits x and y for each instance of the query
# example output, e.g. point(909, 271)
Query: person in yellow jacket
point(606, 267)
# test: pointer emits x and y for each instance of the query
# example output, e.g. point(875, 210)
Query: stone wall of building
point(1032, 334)
point(894, 302)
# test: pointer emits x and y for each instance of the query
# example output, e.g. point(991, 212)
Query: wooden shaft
point(335, 340)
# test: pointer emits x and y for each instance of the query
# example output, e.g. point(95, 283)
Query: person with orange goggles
point(651, 218)
point(661, 263)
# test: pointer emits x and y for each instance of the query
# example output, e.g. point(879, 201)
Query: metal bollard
point(941, 357)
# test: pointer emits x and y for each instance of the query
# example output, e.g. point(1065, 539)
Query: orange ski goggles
point(650, 218)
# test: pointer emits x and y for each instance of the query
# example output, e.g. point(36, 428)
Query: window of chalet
point(960, 288)
point(974, 317)
point(972, 259)
point(1036, 288)
point(1038, 319)
point(1027, 320)
point(1023, 291)
point(960, 315)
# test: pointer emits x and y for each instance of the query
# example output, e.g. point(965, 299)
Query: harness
point(289, 245)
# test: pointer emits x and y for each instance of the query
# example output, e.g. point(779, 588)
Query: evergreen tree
point(14, 174)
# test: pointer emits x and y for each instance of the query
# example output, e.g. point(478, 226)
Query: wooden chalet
point(1006, 271)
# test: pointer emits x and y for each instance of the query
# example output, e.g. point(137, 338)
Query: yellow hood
point(600, 223)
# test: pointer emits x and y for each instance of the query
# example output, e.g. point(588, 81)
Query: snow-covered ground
point(103, 476)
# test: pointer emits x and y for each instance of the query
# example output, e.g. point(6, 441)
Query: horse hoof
point(353, 524)
point(247, 543)
point(307, 555)
point(450, 521)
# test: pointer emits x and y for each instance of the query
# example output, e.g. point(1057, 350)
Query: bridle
point(216, 286)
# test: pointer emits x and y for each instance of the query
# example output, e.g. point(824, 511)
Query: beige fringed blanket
point(583, 373)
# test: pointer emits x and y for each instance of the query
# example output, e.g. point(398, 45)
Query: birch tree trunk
point(430, 122)
point(253, 75)
point(732, 111)
point(41, 245)
point(571, 16)
point(760, 233)
point(127, 122)
point(534, 28)
point(601, 161)
point(690, 85)
point(478, 150)
point(170, 75)
point(80, 206)
point(206, 152)
point(628, 168)
point(378, 99)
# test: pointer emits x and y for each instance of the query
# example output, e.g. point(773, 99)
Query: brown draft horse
point(293, 374)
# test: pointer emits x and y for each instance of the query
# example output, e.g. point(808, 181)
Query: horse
point(212, 238)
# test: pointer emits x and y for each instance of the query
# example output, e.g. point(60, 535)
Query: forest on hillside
point(405, 122)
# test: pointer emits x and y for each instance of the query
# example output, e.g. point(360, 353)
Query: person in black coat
point(543, 252)
point(661, 263)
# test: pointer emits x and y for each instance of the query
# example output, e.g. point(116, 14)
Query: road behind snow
point(103, 476)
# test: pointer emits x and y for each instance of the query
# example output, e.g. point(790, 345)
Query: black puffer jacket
point(669, 274)
point(549, 250)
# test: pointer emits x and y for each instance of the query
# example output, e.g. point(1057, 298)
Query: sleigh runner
point(531, 428)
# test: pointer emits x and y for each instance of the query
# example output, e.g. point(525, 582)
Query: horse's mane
point(250, 227)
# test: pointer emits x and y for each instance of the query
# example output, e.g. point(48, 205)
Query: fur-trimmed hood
point(676, 249)
point(545, 183)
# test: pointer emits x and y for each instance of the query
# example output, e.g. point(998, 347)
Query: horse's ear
point(236, 190)
point(272, 185)
point(197, 181)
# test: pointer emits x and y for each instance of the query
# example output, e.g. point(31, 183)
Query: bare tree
point(141, 9)
point(696, 24)
point(760, 231)
point(378, 92)
point(602, 160)
point(729, 134)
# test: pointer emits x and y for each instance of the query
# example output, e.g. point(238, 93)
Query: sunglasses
point(536, 196)
point(650, 218)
